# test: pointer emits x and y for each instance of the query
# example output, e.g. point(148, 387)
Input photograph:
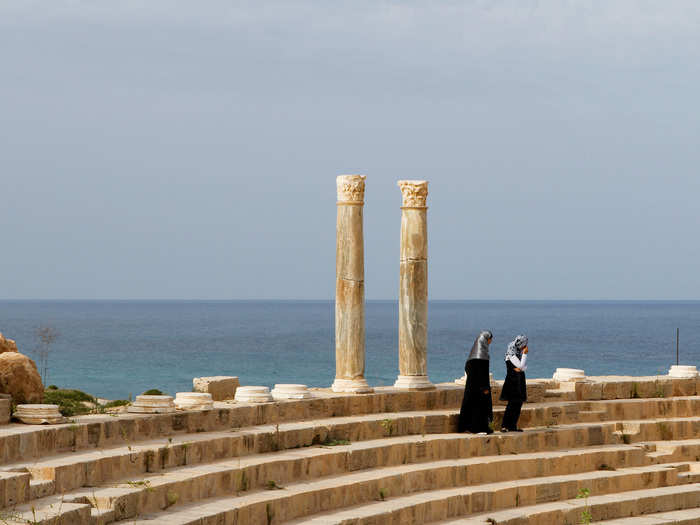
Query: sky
point(188, 150)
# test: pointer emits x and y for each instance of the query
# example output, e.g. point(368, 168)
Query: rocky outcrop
point(20, 378)
point(7, 345)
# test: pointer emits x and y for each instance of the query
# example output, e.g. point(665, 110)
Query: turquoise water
point(116, 348)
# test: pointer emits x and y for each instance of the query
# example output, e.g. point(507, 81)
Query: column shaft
point(350, 287)
point(413, 288)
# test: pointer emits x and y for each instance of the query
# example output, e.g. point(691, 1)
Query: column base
point(413, 383)
point(351, 386)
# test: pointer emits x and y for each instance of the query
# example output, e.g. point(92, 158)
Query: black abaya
point(477, 409)
point(515, 392)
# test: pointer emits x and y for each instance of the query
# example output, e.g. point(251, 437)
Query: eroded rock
point(20, 378)
point(7, 345)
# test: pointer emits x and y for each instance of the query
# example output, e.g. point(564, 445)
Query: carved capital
point(351, 188)
point(414, 192)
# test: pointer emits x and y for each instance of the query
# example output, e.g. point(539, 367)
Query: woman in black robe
point(514, 387)
point(476, 414)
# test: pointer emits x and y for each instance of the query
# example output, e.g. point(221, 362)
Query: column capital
point(414, 192)
point(351, 188)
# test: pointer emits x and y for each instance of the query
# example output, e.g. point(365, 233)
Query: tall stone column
point(350, 287)
point(413, 287)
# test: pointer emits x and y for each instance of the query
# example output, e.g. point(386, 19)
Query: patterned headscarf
point(516, 347)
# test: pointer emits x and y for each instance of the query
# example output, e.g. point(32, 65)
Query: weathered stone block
point(220, 387)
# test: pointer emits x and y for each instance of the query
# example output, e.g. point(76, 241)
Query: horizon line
point(479, 300)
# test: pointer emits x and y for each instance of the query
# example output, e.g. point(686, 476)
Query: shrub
point(70, 402)
point(152, 392)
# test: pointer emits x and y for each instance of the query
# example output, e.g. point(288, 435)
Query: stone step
point(51, 511)
point(674, 517)
point(409, 491)
point(152, 493)
point(635, 504)
point(22, 442)
point(14, 488)
point(692, 475)
point(40, 488)
point(91, 467)
point(257, 476)
point(670, 451)
point(72, 471)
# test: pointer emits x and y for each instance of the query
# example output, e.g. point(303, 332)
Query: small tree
point(46, 335)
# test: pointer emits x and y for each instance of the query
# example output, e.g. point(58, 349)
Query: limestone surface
point(7, 345)
point(38, 414)
point(569, 374)
point(683, 371)
point(220, 387)
point(193, 401)
point(253, 394)
point(20, 378)
point(144, 404)
point(290, 391)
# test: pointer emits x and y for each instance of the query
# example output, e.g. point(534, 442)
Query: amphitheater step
point(222, 479)
point(409, 486)
point(674, 517)
point(606, 507)
point(90, 468)
point(51, 511)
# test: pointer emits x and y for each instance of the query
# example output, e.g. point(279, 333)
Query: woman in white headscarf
point(514, 387)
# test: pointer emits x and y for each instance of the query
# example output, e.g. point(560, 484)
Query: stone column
point(350, 287)
point(413, 288)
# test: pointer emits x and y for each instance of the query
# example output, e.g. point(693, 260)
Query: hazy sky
point(185, 149)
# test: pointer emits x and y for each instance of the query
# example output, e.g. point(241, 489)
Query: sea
point(117, 349)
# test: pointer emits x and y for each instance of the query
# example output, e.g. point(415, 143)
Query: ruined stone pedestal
point(350, 287)
point(413, 288)
point(194, 401)
point(253, 394)
point(152, 405)
point(683, 371)
point(38, 414)
point(290, 391)
point(220, 387)
point(569, 374)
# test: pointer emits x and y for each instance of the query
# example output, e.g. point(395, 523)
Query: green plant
point(665, 431)
point(141, 484)
point(334, 442)
point(388, 426)
point(116, 403)
point(243, 481)
point(626, 439)
point(635, 391)
point(70, 402)
point(604, 466)
point(382, 494)
point(659, 391)
point(152, 392)
point(270, 515)
point(272, 485)
point(491, 521)
point(586, 516)
point(172, 498)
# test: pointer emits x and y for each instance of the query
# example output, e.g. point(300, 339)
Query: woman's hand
point(518, 370)
point(486, 392)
